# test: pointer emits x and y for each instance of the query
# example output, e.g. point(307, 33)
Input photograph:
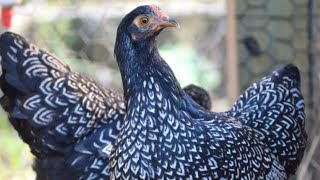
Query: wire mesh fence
point(270, 34)
point(273, 33)
point(311, 164)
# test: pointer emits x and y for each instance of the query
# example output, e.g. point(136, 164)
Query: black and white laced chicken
point(69, 121)
point(166, 135)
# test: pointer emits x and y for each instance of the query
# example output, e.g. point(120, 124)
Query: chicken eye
point(144, 21)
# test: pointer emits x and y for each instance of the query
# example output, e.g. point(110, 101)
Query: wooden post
point(232, 62)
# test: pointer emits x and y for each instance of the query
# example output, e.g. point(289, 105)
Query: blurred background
point(222, 45)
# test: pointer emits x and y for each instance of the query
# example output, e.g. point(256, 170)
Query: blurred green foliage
point(189, 66)
point(15, 156)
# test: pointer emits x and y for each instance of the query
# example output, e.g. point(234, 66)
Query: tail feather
point(274, 107)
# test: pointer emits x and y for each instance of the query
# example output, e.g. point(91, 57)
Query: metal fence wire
point(273, 33)
point(269, 34)
point(312, 163)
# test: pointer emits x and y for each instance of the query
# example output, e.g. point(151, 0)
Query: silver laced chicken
point(167, 136)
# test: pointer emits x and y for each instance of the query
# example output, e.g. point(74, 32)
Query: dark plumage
point(65, 118)
point(166, 135)
point(200, 95)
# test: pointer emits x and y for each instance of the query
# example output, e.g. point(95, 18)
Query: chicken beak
point(171, 23)
point(164, 23)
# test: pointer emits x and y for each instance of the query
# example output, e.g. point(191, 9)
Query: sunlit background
point(201, 52)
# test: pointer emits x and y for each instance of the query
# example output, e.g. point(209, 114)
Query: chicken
point(165, 135)
point(60, 114)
